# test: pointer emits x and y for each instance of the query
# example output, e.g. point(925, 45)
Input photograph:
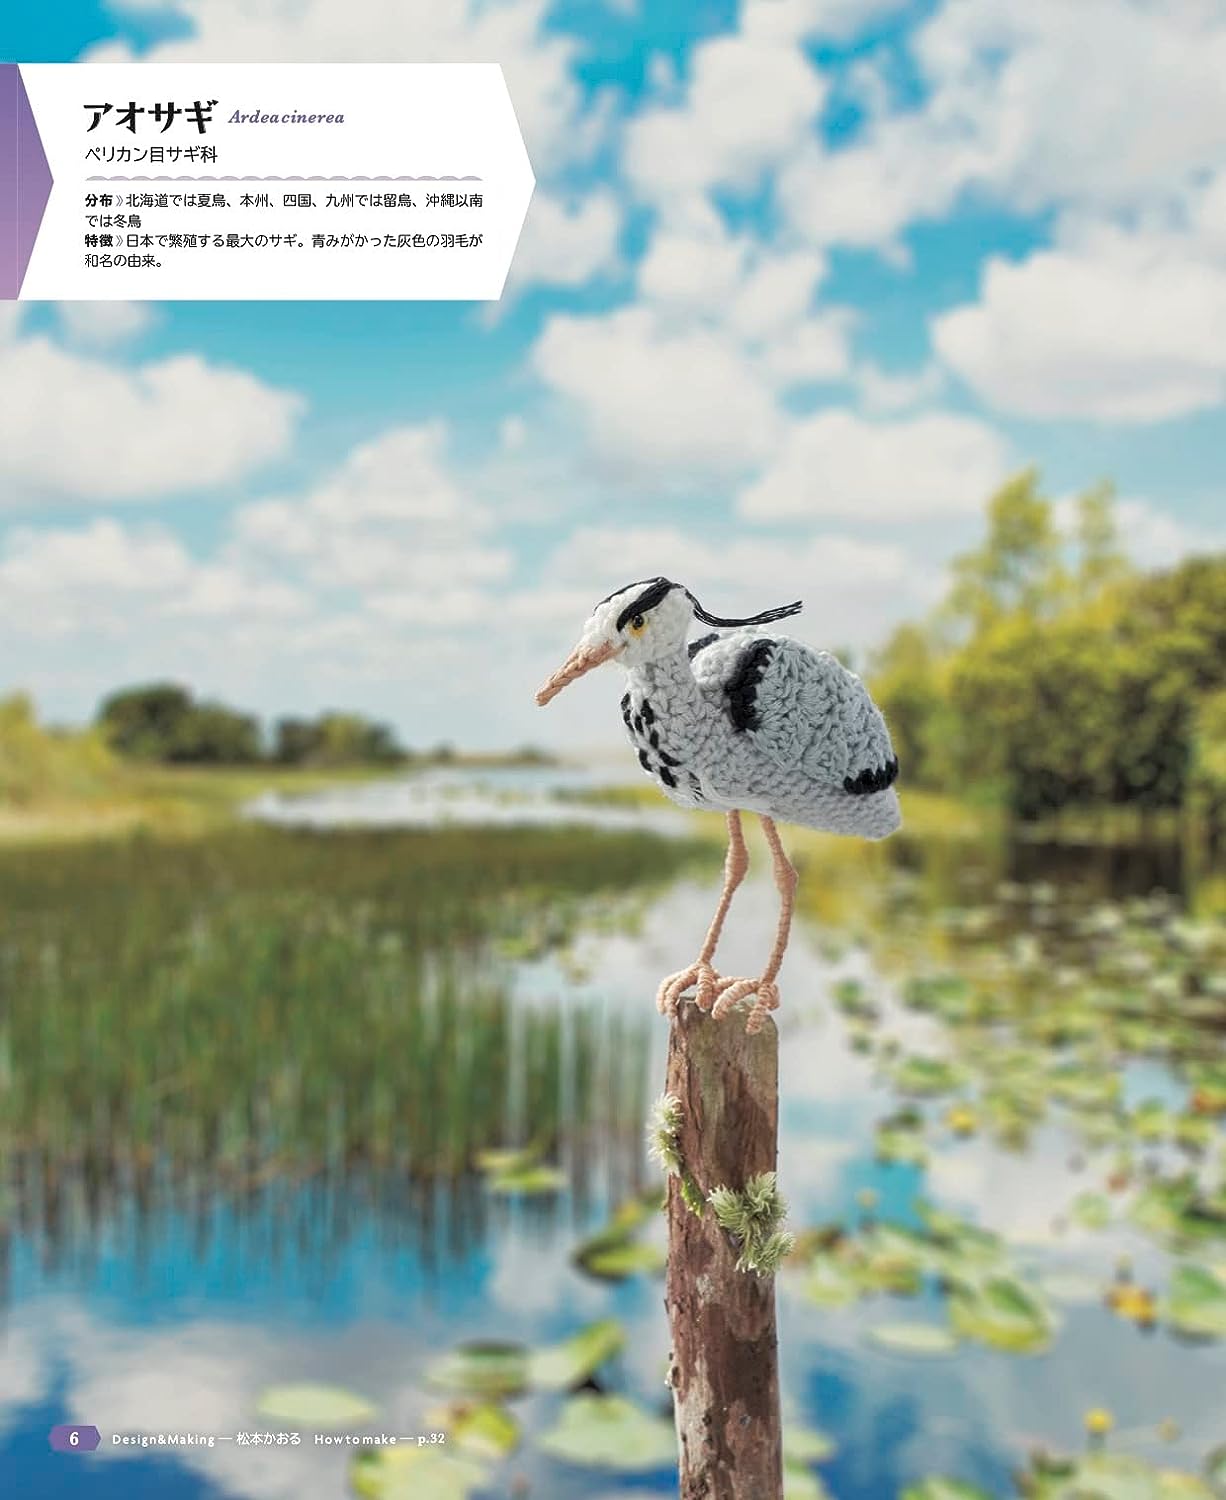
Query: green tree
point(1101, 559)
point(163, 722)
point(335, 739)
point(144, 721)
point(1018, 565)
point(1045, 684)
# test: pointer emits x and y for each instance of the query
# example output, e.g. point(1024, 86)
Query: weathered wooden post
point(716, 1131)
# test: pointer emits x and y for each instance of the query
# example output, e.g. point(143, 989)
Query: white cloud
point(11, 315)
point(1113, 326)
point(837, 464)
point(1109, 103)
point(652, 396)
point(690, 377)
point(843, 580)
point(752, 101)
point(567, 243)
point(1152, 537)
point(76, 427)
point(102, 325)
point(882, 391)
point(391, 517)
point(752, 98)
point(761, 294)
point(105, 578)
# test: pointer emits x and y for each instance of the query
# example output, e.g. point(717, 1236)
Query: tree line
point(1054, 673)
point(165, 722)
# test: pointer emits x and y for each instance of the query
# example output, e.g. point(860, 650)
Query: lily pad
point(937, 1487)
point(1151, 1121)
point(945, 994)
point(562, 1366)
point(500, 1159)
point(615, 1252)
point(404, 1473)
point(1109, 1476)
point(806, 1445)
point(1196, 1303)
point(831, 1281)
point(483, 1429)
point(618, 1262)
point(1091, 1210)
point(851, 999)
point(801, 1483)
point(316, 1406)
point(956, 1248)
point(927, 1339)
point(1177, 1210)
point(482, 1368)
point(610, 1432)
point(527, 1182)
point(1003, 1313)
point(902, 1144)
point(927, 1077)
point(890, 1258)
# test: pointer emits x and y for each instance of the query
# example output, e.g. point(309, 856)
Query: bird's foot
point(730, 992)
point(701, 975)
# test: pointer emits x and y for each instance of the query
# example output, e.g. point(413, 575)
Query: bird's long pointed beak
point(582, 659)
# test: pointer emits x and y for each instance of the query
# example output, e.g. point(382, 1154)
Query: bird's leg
point(730, 991)
point(700, 973)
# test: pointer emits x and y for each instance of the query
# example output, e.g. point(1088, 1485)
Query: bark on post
point(724, 1367)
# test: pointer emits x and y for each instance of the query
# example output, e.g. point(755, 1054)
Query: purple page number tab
point(75, 1439)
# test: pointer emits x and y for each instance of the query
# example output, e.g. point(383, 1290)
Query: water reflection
point(152, 1293)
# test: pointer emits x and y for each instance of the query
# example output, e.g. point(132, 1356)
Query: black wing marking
point(874, 779)
point(741, 688)
point(705, 640)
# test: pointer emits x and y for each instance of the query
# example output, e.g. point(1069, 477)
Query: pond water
point(170, 1301)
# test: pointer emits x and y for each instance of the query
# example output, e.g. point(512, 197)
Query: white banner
point(315, 181)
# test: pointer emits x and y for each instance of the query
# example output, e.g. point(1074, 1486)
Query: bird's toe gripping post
point(701, 975)
point(730, 992)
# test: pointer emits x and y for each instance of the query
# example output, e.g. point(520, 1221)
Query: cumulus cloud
point(76, 427)
point(390, 517)
point(884, 391)
point(838, 464)
point(1109, 104)
point(103, 325)
point(1151, 537)
point(107, 578)
point(566, 243)
point(847, 584)
point(690, 377)
point(653, 396)
point(1113, 325)
point(752, 97)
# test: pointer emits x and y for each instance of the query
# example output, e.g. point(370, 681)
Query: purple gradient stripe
point(25, 181)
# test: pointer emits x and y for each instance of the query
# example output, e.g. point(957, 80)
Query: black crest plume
point(781, 612)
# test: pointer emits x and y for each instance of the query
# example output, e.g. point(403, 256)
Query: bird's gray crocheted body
point(761, 723)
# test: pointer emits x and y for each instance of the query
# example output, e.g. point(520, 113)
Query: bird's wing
point(800, 708)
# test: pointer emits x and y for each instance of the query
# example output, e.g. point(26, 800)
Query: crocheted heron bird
point(748, 721)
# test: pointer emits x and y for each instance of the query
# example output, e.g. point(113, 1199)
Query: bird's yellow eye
point(638, 625)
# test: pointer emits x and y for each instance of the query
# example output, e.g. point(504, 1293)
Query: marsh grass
point(261, 1002)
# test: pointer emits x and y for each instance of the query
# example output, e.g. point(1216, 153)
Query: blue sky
point(801, 282)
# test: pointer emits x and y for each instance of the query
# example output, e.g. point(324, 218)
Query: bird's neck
point(667, 677)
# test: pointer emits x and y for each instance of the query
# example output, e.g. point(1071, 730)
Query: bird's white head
point(643, 622)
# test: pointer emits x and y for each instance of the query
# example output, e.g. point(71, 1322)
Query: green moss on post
point(663, 1134)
